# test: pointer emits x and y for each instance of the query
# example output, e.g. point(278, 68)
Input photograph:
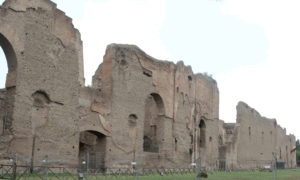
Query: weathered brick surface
point(137, 104)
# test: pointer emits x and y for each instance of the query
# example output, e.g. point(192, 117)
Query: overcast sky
point(251, 47)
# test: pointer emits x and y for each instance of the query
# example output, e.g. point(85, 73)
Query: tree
point(298, 150)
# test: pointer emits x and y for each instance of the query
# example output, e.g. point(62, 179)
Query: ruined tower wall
point(135, 83)
point(46, 80)
point(259, 137)
point(130, 90)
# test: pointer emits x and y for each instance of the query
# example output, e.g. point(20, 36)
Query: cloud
point(271, 87)
point(121, 21)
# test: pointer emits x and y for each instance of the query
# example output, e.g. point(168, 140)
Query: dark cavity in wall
point(202, 127)
point(147, 72)
point(95, 143)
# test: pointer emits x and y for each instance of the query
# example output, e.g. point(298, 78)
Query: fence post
point(272, 167)
point(13, 169)
point(87, 166)
point(276, 168)
point(138, 167)
point(46, 176)
point(199, 167)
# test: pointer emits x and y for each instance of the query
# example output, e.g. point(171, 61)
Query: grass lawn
point(281, 174)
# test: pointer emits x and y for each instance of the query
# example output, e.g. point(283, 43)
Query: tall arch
point(14, 51)
point(9, 53)
point(153, 123)
point(10, 44)
point(202, 126)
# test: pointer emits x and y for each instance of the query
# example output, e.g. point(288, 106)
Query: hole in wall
point(147, 73)
point(190, 78)
point(132, 120)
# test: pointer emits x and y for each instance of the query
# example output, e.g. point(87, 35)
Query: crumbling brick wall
point(137, 104)
point(44, 79)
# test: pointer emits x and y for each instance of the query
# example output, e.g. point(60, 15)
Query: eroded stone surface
point(137, 104)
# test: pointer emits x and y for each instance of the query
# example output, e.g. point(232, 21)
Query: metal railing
point(97, 166)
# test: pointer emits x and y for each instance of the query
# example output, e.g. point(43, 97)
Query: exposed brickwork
point(136, 104)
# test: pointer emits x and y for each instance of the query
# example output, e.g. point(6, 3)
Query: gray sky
point(251, 47)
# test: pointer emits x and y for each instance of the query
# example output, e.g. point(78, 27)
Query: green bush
point(191, 151)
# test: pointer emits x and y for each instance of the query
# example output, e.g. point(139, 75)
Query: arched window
point(202, 127)
point(153, 123)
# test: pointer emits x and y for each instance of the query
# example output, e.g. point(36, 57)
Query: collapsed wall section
point(46, 79)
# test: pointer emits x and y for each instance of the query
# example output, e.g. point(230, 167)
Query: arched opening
point(220, 140)
point(175, 144)
point(9, 54)
point(8, 67)
point(94, 143)
point(153, 123)
point(210, 144)
point(202, 127)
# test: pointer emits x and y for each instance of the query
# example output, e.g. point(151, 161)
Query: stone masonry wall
point(259, 137)
point(137, 104)
point(46, 79)
point(131, 78)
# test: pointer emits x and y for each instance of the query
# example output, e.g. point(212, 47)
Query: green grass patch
point(236, 175)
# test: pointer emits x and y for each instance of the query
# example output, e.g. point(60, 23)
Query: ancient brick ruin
point(137, 104)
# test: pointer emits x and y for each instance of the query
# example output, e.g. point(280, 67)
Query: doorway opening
point(94, 143)
point(153, 123)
